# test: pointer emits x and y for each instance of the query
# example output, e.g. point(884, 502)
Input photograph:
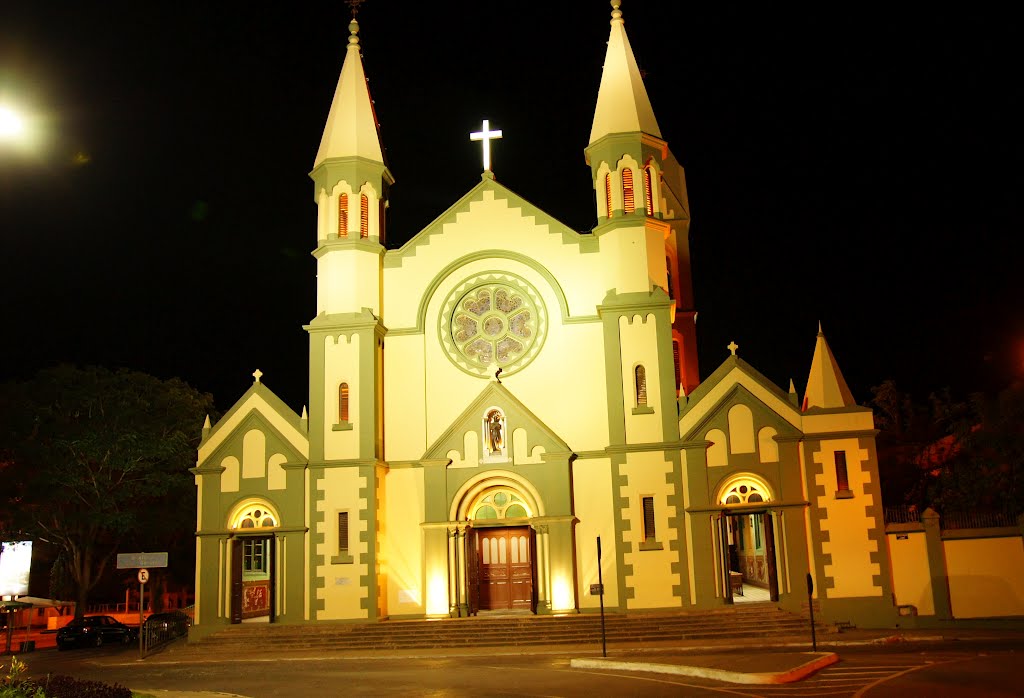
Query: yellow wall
point(592, 503)
point(986, 576)
point(652, 579)
point(342, 591)
point(402, 546)
point(847, 523)
point(341, 365)
point(911, 578)
point(638, 341)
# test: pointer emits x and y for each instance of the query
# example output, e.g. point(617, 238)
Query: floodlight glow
point(11, 123)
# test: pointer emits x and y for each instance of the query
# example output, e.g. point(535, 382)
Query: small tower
point(640, 195)
point(849, 558)
point(351, 185)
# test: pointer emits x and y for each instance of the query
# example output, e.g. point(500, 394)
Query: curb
point(821, 660)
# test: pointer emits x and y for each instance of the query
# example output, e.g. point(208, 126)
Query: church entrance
point(748, 562)
point(501, 569)
point(252, 579)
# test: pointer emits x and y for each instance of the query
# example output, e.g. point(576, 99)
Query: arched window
point(364, 216)
point(342, 215)
point(608, 195)
point(627, 191)
point(343, 403)
point(648, 191)
point(640, 379)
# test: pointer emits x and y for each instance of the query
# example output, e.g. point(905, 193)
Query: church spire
point(352, 129)
point(622, 102)
point(826, 386)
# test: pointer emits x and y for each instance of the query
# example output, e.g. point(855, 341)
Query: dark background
point(854, 165)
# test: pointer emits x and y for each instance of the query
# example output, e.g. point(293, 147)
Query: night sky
point(848, 165)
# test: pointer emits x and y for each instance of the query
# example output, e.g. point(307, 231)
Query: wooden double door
point(501, 569)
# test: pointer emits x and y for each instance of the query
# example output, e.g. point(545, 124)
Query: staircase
point(739, 622)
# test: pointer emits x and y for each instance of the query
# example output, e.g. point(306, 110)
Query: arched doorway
point(253, 562)
point(500, 545)
point(747, 540)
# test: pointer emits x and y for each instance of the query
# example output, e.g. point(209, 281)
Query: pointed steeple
point(622, 102)
point(352, 128)
point(826, 386)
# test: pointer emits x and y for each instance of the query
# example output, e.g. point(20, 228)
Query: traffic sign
point(131, 560)
point(143, 575)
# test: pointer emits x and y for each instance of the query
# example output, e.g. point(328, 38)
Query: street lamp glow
point(11, 124)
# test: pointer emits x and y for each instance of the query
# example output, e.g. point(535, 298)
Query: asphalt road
point(979, 668)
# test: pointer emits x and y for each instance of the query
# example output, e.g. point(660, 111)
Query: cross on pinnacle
point(257, 374)
point(354, 6)
point(733, 346)
point(486, 135)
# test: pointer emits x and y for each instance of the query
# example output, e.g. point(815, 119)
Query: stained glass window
point(493, 324)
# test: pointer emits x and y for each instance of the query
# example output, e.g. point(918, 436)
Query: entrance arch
point(253, 558)
point(747, 549)
point(500, 544)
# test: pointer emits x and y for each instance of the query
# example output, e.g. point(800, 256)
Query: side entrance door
point(505, 568)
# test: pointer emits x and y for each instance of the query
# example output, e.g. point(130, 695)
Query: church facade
point(450, 463)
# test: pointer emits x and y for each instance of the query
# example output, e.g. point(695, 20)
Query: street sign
point(143, 575)
point(133, 560)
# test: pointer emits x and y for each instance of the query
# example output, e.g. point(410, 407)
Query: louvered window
point(364, 216)
point(627, 191)
point(641, 386)
point(649, 532)
point(677, 362)
point(671, 286)
point(343, 403)
point(608, 195)
point(842, 477)
point(342, 532)
point(648, 191)
point(343, 215)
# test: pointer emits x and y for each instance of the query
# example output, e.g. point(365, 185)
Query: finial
point(732, 347)
point(792, 386)
point(819, 328)
point(305, 413)
point(616, 12)
point(257, 374)
point(354, 6)
point(206, 424)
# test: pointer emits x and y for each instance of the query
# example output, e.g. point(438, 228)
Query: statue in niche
point(495, 432)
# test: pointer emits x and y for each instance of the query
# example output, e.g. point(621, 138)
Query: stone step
point(763, 620)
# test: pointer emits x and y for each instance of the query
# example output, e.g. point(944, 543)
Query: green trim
point(844, 494)
point(643, 409)
point(276, 404)
point(996, 532)
point(334, 243)
point(620, 503)
point(650, 545)
point(517, 416)
point(680, 565)
point(348, 463)
point(696, 397)
point(586, 242)
point(342, 426)
point(243, 533)
point(459, 263)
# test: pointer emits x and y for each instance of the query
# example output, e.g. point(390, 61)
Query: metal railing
point(902, 513)
point(977, 519)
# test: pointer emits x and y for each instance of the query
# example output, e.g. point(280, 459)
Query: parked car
point(169, 624)
point(93, 631)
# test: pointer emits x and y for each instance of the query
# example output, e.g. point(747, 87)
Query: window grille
point(648, 192)
point(343, 215)
point(649, 531)
point(343, 403)
point(608, 195)
point(364, 216)
point(627, 191)
point(342, 532)
point(842, 478)
point(641, 385)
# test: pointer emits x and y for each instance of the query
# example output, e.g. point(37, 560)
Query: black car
point(166, 625)
point(93, 631)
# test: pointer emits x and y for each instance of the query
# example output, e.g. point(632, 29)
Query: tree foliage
point(949, 454)
point(95, 458)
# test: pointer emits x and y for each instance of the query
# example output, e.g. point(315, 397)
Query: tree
point(93, 458)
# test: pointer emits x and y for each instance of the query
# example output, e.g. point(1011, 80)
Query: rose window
point(493, 323)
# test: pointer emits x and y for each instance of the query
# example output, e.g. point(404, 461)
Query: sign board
point(143, 575)
point(902, 536)
point(15, 562)
point(596, 589)
point(132, 560)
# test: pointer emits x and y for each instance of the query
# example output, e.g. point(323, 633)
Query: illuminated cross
point(733, 346)
point(257, 374)
point(486, 135)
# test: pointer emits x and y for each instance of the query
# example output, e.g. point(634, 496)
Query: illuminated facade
point(491, 398)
